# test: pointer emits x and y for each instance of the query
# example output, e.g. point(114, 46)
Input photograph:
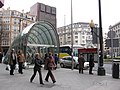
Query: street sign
point(87, 50)
point(111, 34)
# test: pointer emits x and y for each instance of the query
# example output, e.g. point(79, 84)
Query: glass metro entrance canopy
point(39, 37)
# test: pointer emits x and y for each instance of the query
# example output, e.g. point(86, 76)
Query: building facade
point(116, 28)
point(12, 22)
point(81, 35)
point(44, 12)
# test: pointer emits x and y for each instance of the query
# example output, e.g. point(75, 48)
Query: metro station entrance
point(36, 38)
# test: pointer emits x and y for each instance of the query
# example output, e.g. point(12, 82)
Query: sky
point(83, 10)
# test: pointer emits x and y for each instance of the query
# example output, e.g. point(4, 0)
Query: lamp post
point(101, 70)
point(72, 35)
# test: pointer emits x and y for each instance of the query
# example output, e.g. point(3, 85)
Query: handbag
point(24, 65)
point(7, 67)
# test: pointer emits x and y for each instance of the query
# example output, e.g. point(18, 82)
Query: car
point(67, 62)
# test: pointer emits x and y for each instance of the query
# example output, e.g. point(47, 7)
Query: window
point(76, 37)
point(83, 37)
point(76, 33)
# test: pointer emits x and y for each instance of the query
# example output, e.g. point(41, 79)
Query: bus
point(68, 50)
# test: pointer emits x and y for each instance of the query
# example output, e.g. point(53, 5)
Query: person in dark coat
point(50, 66)
point(56, 60)
point(12, 61)
point(81, 61)
point(37, 68)
point(91, 64)
point(1, 55)
point(45, 61)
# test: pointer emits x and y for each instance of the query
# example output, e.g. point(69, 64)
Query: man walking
point(12, 61)
point(81, 63)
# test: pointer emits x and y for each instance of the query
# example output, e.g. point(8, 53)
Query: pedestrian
point(45, 61)
point(56, 60)
point(37, 68)
point(81, 61)
point(1, 56)
point(91, 64)
point(21, 60)
point(12, 61)
point(50, 66)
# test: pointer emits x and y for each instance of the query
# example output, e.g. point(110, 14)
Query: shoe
point(91, 73)
point(31, 81)
point(11, 74)
point(46, 80)
point(42, 83)
point(54, 81)
point(21, 73)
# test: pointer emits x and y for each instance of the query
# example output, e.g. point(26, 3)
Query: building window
point(83, 37)
point(83, 41)
point(76, 37)
point(76, 41)
point(76, 33)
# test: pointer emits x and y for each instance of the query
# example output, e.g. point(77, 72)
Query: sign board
point(87, 50)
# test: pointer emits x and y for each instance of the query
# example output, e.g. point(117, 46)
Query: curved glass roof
point(36, 37)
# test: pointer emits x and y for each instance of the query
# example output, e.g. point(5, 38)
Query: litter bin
point(115, 69)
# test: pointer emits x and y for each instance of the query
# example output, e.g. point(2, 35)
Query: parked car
point(67, 62)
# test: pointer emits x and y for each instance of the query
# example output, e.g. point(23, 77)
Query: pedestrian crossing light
point(92, 26)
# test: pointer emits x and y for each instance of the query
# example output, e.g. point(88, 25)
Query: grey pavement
point(67, 79)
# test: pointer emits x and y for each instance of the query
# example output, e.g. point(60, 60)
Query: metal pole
point(111, 46)
point(98, 47)
point(101, 70)
point(19, 32)
point(72, 36)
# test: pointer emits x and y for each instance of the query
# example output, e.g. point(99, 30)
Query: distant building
point(81, 35)
point(12, 22)
point(1, 3)
point(116, 28)
point(44, 12)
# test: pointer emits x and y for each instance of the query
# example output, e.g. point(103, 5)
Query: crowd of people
point(16, 58)
point(81, 62)
point(50, 63)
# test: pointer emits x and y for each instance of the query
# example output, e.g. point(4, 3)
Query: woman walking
point(50, 66)
point(37, 68)
point(21, 60)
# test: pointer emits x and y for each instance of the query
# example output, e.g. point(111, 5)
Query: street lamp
point(92, 26)
point(95, 35)
point(101, 70)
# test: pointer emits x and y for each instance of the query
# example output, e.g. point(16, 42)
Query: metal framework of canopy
point(37, 38)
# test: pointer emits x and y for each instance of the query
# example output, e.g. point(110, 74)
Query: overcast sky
point(83, 10)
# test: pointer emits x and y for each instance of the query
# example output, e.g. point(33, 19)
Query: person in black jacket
point(1, 55)
point(37, 67)
point(81, 62)
point(91, 64)
point(12, 61)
